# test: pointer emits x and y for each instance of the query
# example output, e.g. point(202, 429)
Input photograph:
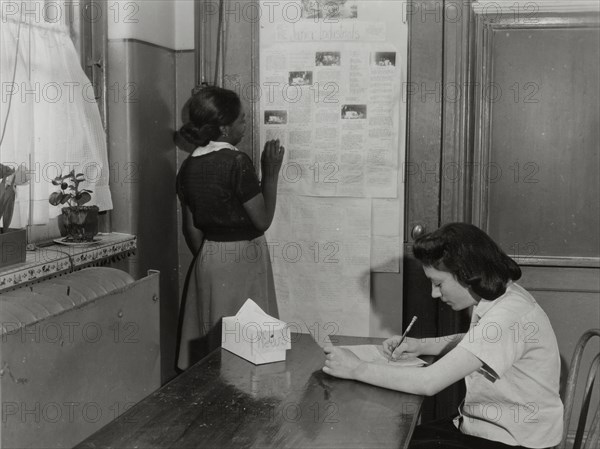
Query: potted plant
point(80, 222)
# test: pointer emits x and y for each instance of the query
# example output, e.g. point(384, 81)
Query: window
point(50, 121)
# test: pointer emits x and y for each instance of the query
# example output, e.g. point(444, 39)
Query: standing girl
point(225, 212)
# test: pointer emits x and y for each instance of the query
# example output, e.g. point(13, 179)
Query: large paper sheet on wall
point(331, 94)
point(320, 250)
point(331, 78)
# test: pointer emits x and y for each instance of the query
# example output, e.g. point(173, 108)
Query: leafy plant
point(70, 193)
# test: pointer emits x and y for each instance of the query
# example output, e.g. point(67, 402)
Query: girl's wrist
point(358, 373)
point(421, 346)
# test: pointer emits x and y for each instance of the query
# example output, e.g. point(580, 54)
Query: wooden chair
point(593, 434)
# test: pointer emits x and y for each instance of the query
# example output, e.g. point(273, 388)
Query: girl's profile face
point(447, 288)
point(237, 129)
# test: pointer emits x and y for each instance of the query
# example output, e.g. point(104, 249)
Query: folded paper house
point(255, 336)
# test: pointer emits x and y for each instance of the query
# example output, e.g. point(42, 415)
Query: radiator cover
point(76, 352)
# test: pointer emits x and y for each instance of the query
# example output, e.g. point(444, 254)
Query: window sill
point(55, 260)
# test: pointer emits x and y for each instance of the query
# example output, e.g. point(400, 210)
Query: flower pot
point(12, 247)
point(80, 222)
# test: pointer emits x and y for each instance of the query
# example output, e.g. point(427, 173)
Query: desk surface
point(226, 402)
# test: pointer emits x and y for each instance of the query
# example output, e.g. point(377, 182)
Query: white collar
point(212, 146)
point(484, 305)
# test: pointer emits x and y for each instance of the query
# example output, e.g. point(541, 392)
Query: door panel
point(547, 84)
point(536, 138)
point(424, 181)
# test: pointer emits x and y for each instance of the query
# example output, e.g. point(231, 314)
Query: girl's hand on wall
point(340, 362)
point(272, 158)
point(409, 348)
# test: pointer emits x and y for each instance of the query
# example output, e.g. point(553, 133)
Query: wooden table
point(226, 402)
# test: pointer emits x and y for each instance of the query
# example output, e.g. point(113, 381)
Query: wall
point(149, 53)
point(185, 81)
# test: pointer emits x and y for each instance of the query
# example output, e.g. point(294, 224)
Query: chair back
point(593, 434)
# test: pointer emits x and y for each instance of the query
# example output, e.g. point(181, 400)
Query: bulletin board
point(332, 75)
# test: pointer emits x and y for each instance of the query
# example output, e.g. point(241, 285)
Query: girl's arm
point(261, 208)
point(454, 366)
point(414, 347)
point(441, 345)
point(193, 236)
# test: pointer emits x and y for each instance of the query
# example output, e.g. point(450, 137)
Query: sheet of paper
point(387, 229)
point(332, 83)
point(320, 249)
point(386, 254)
point(374, 354)
point(332, 91)
point(250, 312)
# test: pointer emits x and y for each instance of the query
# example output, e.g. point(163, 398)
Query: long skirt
point(222, 277)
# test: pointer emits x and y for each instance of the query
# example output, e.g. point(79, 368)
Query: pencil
point(414, 318)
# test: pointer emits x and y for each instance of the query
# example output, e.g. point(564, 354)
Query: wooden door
point(437, 129)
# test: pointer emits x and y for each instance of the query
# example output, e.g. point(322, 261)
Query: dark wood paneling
point(536, 136)
point(422, 174)
point(424, 97)
point(544, 142)
point(455, 193)
point(423, 164)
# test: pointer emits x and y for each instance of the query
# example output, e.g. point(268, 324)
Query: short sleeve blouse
point(215, 187)
point(514, 398)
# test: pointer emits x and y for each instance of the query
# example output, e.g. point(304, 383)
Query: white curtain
point(49, 119)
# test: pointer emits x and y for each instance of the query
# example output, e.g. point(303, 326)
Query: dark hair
point(471, 256)
point(209, 109)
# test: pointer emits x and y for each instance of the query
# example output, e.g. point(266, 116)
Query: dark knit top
point(215, 186)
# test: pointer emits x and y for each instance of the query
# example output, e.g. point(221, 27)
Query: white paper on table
point(250, 312)
point(374, 354)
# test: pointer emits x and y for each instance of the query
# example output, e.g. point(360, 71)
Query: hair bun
point(199, 136)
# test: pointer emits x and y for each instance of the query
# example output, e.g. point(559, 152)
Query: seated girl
point(509, 358)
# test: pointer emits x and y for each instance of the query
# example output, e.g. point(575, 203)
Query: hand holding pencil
point(392, 344)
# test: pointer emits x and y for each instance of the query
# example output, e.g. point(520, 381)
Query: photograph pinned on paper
point(327, 58)
point(354, 111)
point(329, 9)
point(300, 78)
point(275, 117)
point(383, 58)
